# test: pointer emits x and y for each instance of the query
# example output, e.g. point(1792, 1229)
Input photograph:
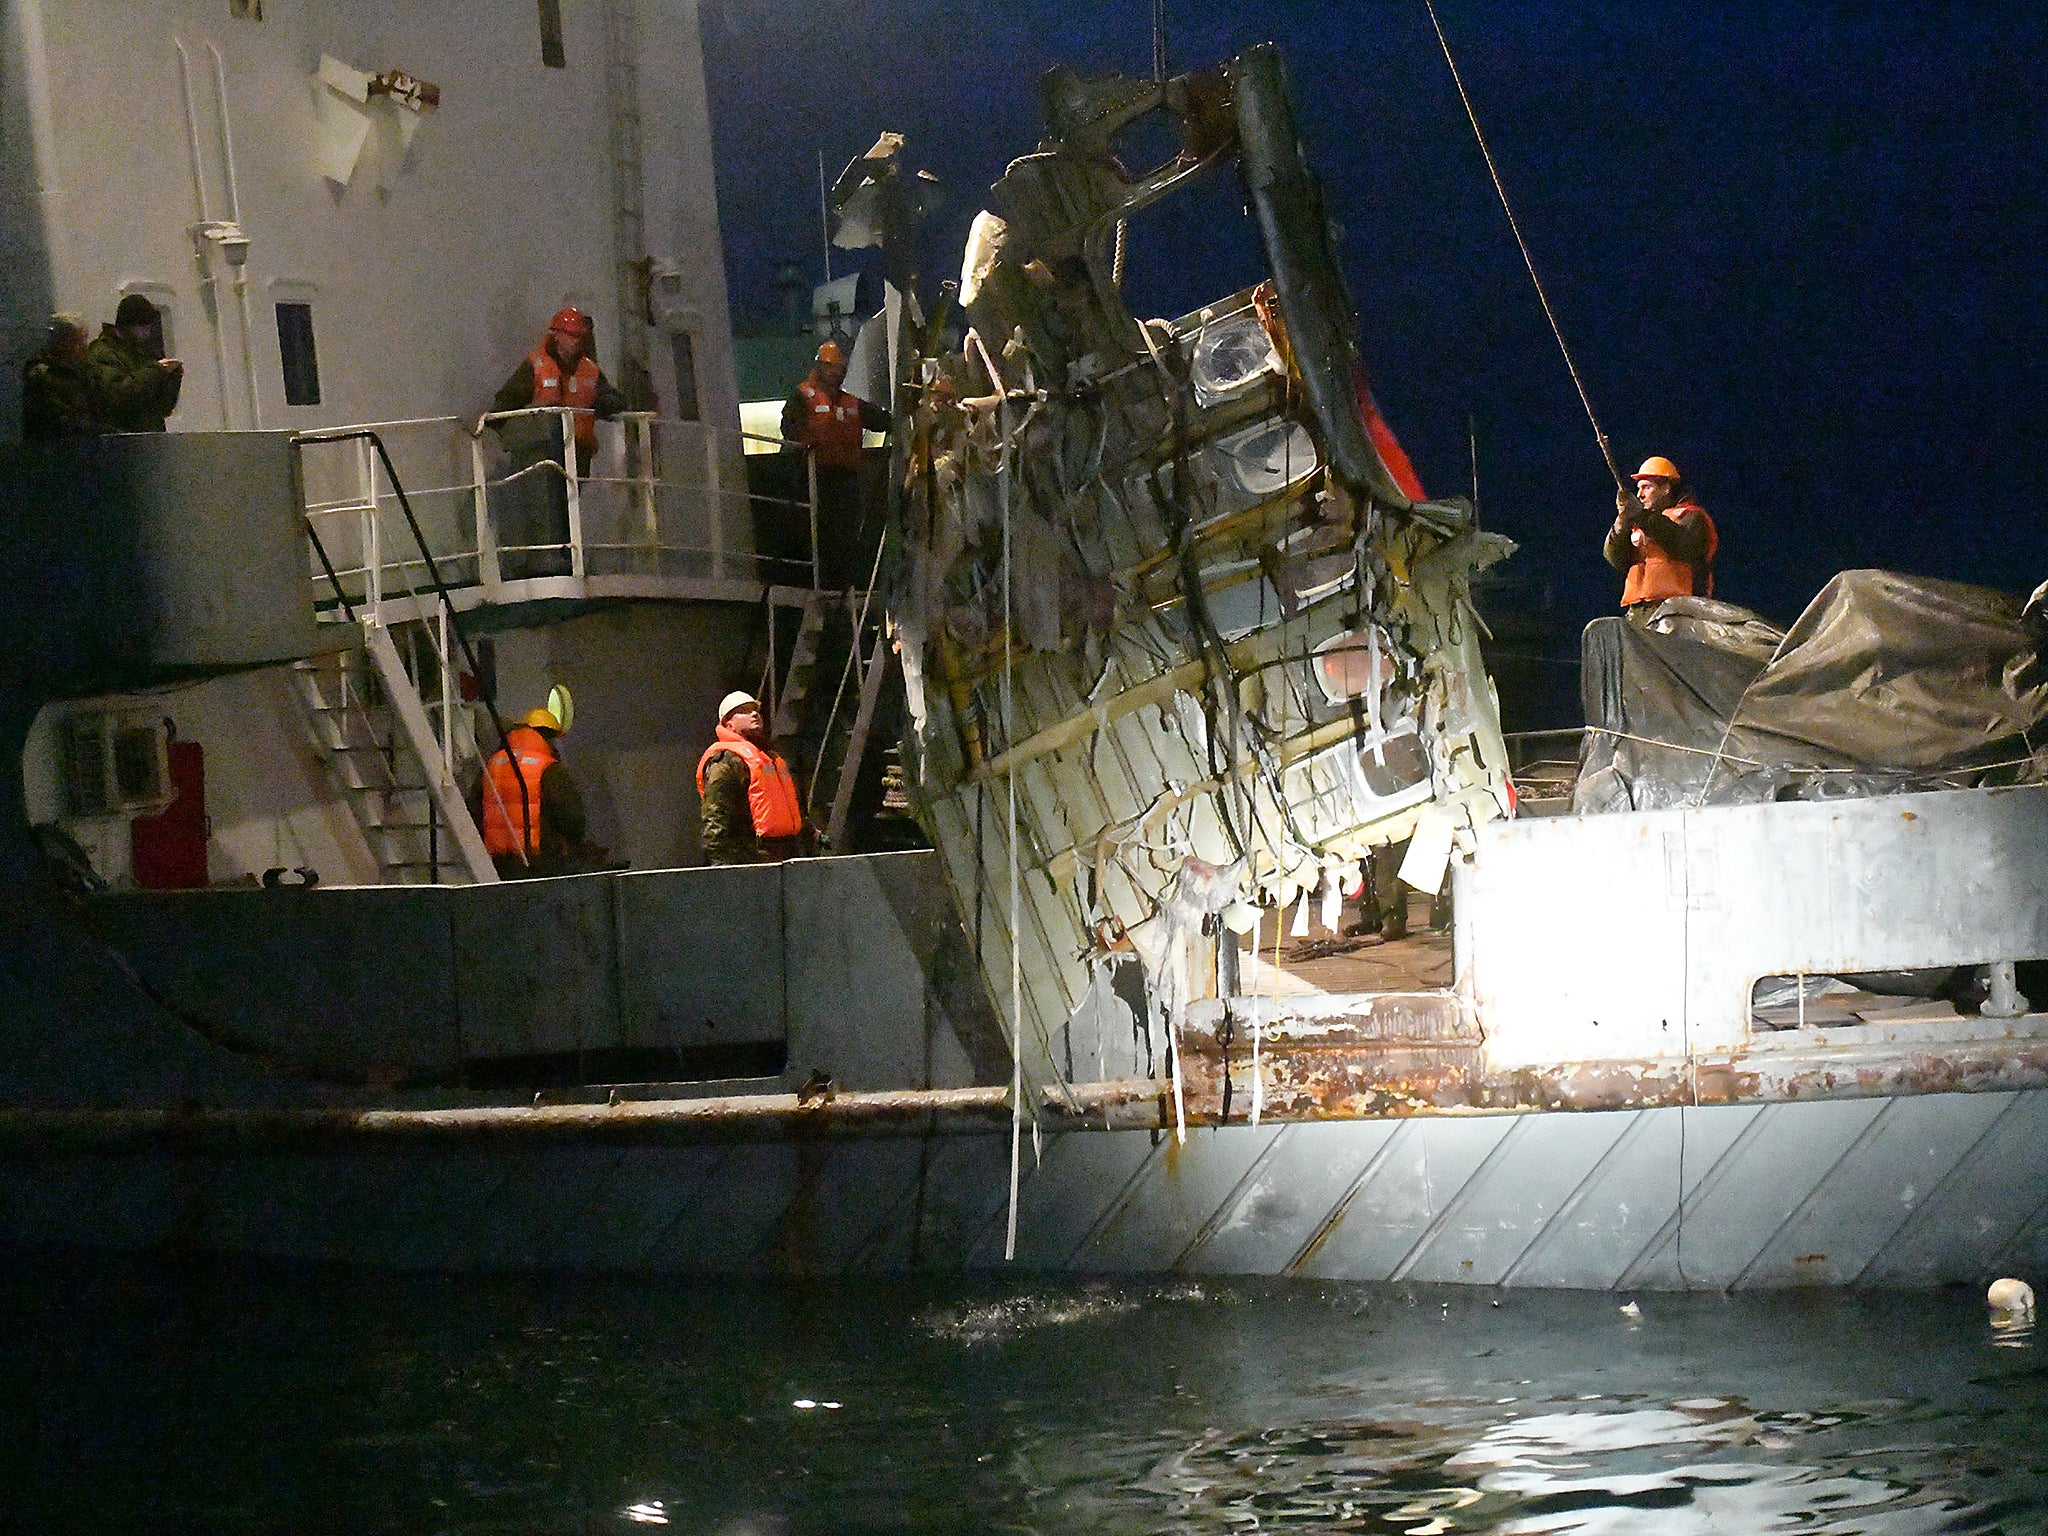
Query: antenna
point(1159, 42)
point(1472, 435)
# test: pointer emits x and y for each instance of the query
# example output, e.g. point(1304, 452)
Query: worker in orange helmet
point(747, 798)
point(1663, 542)
point(532, 510)
point(826, 423)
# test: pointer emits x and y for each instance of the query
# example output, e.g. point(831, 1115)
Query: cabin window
point(295, 348)
point(246, 10)
point(551, 34)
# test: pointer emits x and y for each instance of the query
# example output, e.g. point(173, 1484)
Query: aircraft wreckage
point(1184, 641)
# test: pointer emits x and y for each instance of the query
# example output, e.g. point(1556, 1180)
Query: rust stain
point(1320, 1077)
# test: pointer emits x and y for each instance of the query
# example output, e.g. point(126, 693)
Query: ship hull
point(1908, 1191)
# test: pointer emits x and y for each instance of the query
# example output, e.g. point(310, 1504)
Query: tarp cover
point(1886, 683)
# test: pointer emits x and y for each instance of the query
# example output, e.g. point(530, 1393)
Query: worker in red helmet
point(563, 371)
point(531, 509)
point(826, 423)
point(1662, 540)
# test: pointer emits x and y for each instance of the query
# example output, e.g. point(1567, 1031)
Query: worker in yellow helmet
point(1662, 540)
point(532, 813)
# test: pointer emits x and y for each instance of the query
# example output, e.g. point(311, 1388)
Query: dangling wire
point(1529, 261)
point(1010, 778)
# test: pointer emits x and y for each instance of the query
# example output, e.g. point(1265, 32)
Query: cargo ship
point(1728, 990)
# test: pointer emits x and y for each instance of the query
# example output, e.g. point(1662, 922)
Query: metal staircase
point(793, 704)
point(840, 631)
point(396, 763)
point(388, 719)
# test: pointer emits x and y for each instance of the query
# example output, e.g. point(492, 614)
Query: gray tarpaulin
point(1886, 683)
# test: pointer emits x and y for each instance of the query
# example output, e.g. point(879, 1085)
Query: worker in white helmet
point(747, 799)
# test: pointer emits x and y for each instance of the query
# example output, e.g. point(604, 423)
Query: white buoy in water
point(2011, 1296)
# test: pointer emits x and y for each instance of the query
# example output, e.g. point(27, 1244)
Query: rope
point(1724, 756)
point(1529, 261)
point(1736, 714)
point(1009, 731)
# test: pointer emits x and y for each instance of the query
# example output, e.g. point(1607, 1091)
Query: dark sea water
point(152, 1399)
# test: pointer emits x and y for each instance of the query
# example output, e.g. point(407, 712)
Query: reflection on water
point(237, 1400)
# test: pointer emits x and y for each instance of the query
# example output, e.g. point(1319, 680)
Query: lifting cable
point(1527, 260)
point(1003, 476)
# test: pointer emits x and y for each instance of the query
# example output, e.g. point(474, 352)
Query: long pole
point(824, 217)
point(1159, 42)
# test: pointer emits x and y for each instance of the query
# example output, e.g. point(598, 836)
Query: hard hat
point(830, 353)
point(570, 321)
point(1657, 467)
point(542, 720)
point(733, 701)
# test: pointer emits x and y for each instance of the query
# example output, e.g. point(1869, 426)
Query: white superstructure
point(366, 213)
point(430, 242)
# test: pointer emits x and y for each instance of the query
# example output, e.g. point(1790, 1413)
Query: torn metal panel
point(1159, 571)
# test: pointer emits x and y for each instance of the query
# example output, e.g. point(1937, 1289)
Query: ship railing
point(1545, 767)
point(663, 512)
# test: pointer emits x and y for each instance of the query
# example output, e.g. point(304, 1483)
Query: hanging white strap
point(1259, 1015)
point(1180, 1108)
point(1372, 691)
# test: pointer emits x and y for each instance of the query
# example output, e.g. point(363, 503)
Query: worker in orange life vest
point(1662, 540)
point(561, 371)
point(528, 797)
point(747, 797)
point(826, 422)
point(531, 507)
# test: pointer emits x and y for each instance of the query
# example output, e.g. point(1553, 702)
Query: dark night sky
point(1800, 249)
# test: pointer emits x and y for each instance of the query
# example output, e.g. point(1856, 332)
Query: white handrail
point(657, 506)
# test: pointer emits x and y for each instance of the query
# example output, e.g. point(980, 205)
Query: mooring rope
point(1529, 261)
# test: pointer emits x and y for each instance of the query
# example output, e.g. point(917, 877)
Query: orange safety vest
point(771, 787)
point(578, 391)
point(1655, 575)
point(832, 426)
point(501, 787)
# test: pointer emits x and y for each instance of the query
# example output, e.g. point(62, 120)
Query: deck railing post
point(570, 469)
point(443, 654)
point(486, 536)
point(817, 562)
point(373, 546)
